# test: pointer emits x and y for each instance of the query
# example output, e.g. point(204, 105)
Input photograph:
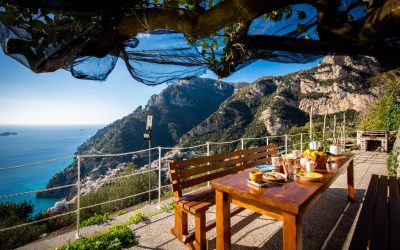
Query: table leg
point(292, 238)
point(350, 182)
point(223, 221)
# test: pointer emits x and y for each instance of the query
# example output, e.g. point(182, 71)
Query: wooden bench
point(378, 226)
point(196, 172)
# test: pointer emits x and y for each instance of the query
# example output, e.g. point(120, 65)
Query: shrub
point(167, 207)
point(12, 213)
point(138, 217)
point(118, 237)
point(96, 219)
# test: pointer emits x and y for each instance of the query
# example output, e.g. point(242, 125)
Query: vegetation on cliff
point(385, 112)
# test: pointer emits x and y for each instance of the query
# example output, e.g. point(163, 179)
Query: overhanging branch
point(321, 47)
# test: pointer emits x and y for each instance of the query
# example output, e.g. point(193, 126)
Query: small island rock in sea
point(8, 133)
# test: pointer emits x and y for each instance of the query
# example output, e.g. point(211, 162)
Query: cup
point(310, 166)
point(275, 161)
point(296, 153)
point(256, 176)
point(303, 161)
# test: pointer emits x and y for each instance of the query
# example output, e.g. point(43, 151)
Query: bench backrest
point(189, 173)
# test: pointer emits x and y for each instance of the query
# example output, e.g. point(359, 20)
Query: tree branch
point(322, 47)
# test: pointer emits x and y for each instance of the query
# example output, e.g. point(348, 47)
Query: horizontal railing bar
point(120, 154)
point(224, 142)
point(183, 148)
point(254, 138)
point(36, 191)
point(38, 163)
point(133, 174)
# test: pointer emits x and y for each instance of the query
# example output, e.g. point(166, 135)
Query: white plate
point(273, 179)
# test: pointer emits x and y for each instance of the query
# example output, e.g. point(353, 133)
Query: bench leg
point(181, 223)
point(200, 231)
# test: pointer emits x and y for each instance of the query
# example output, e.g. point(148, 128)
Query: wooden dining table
point(287, 201)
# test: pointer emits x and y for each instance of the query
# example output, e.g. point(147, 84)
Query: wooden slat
point(257, 149)
point(394, 214)
point(204, 169)
point(264, 155)
point(199, 204)
point(362, 230)
point(203, 160)
point(379, 236)
point(205, 178)
point(195, 194)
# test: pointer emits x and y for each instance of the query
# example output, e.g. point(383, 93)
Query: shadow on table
point(325, 226)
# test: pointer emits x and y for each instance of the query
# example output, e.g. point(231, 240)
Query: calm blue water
point(34, 144)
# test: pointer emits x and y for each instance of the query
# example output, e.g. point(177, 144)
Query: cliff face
point(176, 110)
point(272, 105)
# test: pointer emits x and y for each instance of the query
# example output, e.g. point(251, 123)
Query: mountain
point(191, 112)
point(272, 105)
point(176, 110)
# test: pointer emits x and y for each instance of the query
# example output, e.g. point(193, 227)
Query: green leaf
point(265, 16)
point(211, 3)
point(215, 44)
point(204, 45)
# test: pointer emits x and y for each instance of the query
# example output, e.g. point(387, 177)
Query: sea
point(34, 144)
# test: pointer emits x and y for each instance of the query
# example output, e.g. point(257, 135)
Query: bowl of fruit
point(318, 156)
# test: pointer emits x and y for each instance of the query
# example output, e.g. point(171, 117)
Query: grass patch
point(138, 217)
point(167, 207)
point(118, 237)
point(96, 219)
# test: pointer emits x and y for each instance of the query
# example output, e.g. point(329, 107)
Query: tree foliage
point(385, 112)
point(227, 35)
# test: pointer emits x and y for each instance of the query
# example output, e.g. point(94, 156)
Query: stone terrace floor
point(329, 224)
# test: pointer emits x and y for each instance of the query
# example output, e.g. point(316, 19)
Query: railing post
point(267, 140)
point(208, 154)
point(149, 171)
point(78, 198)
point(286, 144)
point(242, 141)
point(301, 142)
point(159, 177)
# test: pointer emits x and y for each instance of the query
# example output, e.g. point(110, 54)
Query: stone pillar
point(359, 132)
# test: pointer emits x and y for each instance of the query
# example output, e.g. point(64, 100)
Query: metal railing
point(286, 140)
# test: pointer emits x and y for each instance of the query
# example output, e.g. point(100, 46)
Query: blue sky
point(58, 98)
